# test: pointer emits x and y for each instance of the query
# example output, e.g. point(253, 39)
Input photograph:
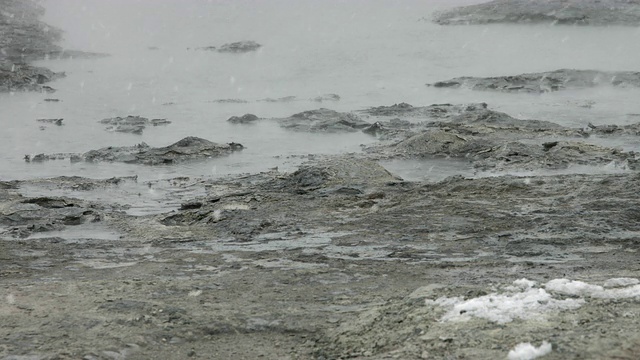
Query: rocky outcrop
point(557, 80)
point(187, 149)
point(132, 124)
point(239, 47)
point(244, 119)
point(235, 47)
point(23, 77)
point(571, 12)
point(323, 120)
point(25, 216)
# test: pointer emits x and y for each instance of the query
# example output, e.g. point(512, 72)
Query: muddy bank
point(340, 258)
point(562, 12)
point(563, 79)
point(188, 149)
point(24, 77)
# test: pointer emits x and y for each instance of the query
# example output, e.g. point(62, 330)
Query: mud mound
point(440, 143)
point(501, 120)
point(189, 148)
point(340, 172)
point(557, 80)
point(323, 120)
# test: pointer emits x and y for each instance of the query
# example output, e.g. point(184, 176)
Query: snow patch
point(520, 301)
point(582, 289)
point(526, 351)
point(524, 300)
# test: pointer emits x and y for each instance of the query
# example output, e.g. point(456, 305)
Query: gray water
point(371, 53)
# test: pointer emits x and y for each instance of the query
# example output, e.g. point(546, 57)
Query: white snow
point(526, 351)
point(524, 300)
point(521, 301)
point(582, 289)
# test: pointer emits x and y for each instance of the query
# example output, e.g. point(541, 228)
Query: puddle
point(139, 198)
point(432, 170)
point(80, 233)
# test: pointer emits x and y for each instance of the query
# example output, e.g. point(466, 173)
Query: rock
point(189, 148)
point(570, 12)
point(158, 122)
point(435, 111)
point(323, 120)
point(326, 97)
point(51, 121)
point(495, 119)
point(375, 129)
point(244, 119)
point(239, 47)
point(546, 81)
point(131, 124)
point(23, 77)
point(52, 100)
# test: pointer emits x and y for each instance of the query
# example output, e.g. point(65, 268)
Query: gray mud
point(188, 149)
point(562, 12)
point(341, 258)
point(563, 79)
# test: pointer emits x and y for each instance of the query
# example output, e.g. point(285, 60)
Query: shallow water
point(371, 53)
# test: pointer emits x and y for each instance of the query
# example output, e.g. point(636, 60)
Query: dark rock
point(158, 122)
point(23, 77)
point(435, 111)
point(132, 124)
point(375, 129)
point(239, 47)
point(244, 119)
point(51, 121)
point(572, 12)
point(547, 81)
point(495, 119)
point(323, 120)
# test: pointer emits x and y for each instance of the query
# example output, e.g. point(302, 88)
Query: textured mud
point(563, 79)
point(188, 149)
point(340, 258)
point(562, 12)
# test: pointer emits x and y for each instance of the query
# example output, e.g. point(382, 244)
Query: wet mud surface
point(341, 258)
